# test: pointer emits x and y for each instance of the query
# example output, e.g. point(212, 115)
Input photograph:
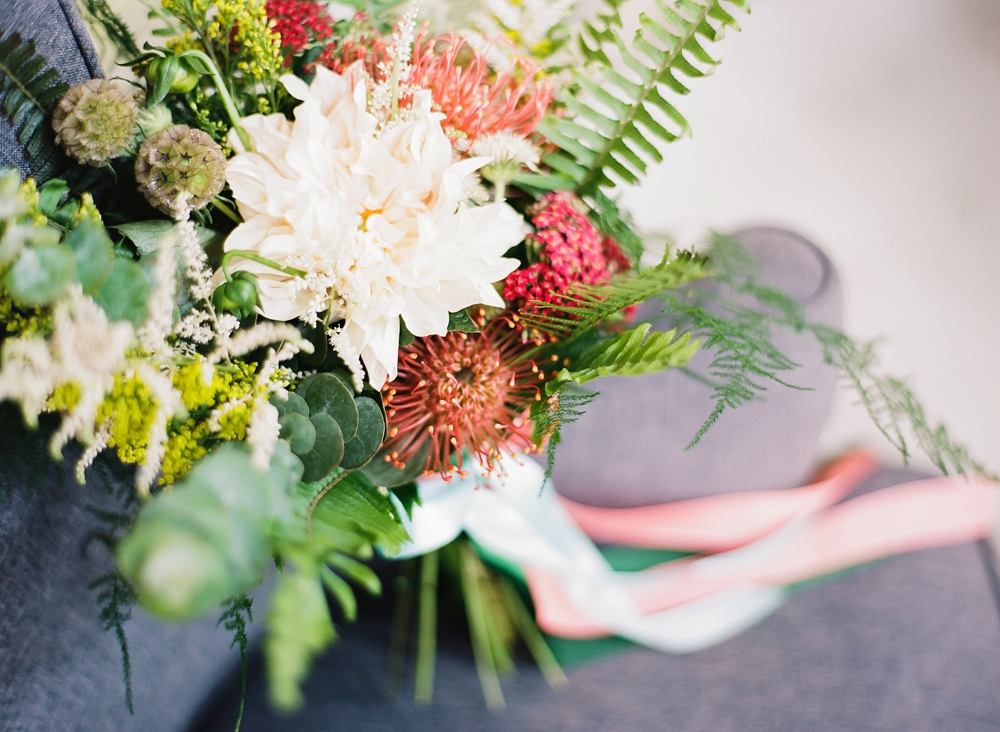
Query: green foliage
point(236, 617)
point(99, 13)
point(29, 88)
point(548, 417)
point(590, 305)
point(619, 116)
point(461, 322)
point(891, 405)
point(632, 353)
point(299, 627)
point(616, 223)
point(116, 598)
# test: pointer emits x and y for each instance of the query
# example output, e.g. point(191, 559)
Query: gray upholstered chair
point(908, 644)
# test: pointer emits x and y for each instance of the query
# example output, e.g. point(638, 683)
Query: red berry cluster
point(300, 23)
point(570, 250)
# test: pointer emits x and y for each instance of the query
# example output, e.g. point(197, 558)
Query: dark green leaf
point(328, 395)
point(408, 495)
point(461, 322)
point(298, 431)
point(371, 432)
point(125, 295)
point(327, 451)
point(381, 470)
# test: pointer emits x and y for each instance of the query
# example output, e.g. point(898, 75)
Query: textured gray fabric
point(910, 644)
point(61, 37)
point(59, 670)
point(628, 448)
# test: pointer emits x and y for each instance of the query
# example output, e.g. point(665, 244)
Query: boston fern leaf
point(29, 87)
point(588, 305)
point(618, 120)
point(633, 353)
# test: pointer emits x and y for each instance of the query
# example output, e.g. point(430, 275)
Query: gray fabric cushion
point(909, 644)
point(629, 447)
point(58, 668)
point(61, 37)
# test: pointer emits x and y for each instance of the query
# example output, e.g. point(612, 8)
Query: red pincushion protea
point(299, 23)
point(473, 98)
point(570, 251)
point(462, 391)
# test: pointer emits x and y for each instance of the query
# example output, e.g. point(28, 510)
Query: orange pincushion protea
point(462, 391)
point(474, 99)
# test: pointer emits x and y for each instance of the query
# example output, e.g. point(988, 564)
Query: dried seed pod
point(96, 121)
point(180, 160)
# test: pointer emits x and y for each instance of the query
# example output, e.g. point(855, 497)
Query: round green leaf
point(371, 432)
point(327, 450)
point(126, 293)
point(95, 256)
point(294, 403)
point(328, 395)
point(316, 336)
point(303, 388)
point(298, 432)
point(40, 275)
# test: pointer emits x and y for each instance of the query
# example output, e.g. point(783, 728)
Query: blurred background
point(871, 129)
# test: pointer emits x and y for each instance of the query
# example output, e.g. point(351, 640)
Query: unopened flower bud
point(154, 119)
point(180, 161)
point(96, 121)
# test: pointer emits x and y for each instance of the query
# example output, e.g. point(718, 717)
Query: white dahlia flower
point(378, 222)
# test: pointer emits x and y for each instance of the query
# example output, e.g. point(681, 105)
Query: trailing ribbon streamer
point(754, 545)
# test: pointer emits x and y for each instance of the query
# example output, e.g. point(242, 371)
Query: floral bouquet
point(312, 255)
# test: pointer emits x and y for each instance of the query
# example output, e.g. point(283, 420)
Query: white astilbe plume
point(197, 326)
point(196, 268)
point(349, 355)
point(159, 323)
point(262, 434)
point(168, 403)
point(101, 438)
point(395, 69)
point(253, 338)
point(84, 349)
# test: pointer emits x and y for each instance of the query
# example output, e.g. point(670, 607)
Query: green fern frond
point(586, 305)
point(633, 353)
point(100, 14)
point(29, 88)
point(236, 618)
point(619, 120)
point(117, 598)
point(548, 417)
point(891, 404)
point(617, 224)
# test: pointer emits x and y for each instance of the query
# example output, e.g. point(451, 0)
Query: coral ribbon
point(750, 546)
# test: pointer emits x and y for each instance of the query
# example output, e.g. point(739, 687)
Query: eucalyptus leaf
point(40, 275)
point(298, 431)
point(328, 395)
point(125, 295)
point(371, 432)
point(294, 403)
point(327, 451)
point(95, 256)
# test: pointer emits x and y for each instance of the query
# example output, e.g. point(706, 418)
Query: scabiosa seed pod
point(96, 121)
point(180, 161)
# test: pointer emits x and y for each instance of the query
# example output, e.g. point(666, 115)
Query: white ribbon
point(512, 515)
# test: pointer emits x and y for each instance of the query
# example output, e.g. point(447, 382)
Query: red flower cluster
point(362, 42)
point(570, 251)
point(461, 391)
point(474, 99)
point(300, 23)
